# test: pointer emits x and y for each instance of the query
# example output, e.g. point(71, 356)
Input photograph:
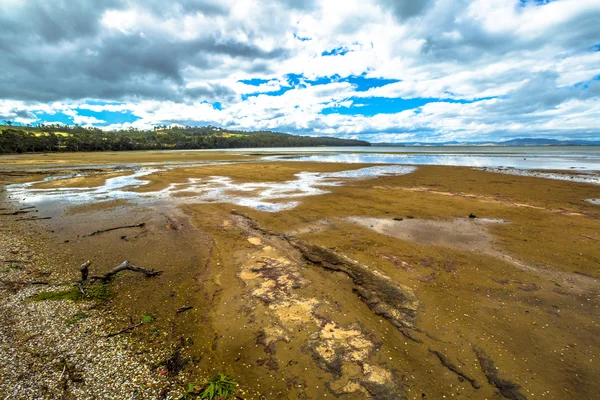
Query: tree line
point(52, 138)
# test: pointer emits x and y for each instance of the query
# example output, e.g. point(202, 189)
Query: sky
point(378, 70)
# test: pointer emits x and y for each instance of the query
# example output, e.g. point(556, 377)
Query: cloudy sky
point(381, 70)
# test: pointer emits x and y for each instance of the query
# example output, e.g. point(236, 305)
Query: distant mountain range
point(512, 142)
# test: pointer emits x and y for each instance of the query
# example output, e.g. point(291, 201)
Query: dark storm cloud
point(60, 50)
point(51, 21)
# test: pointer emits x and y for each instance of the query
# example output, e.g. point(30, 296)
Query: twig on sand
point(33, 218)
point(24, 282)
point(127, 329)
point(17, 212)
point(586, 274)
point(62, 373)
point(15, 261)
point(140, 225)
point(184, 308)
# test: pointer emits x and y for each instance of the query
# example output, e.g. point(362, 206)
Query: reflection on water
point(523, 151)
point(586, 161)
point(594, 201)
point(266, 196)
point(575, 177)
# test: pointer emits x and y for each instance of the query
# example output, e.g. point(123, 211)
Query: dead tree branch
point(17, 212)
point(126, 266)
point(140, 225)
point(84, 276)
point(129, 328)
point(33, 218)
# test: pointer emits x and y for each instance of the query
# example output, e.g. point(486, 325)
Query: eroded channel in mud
point(273, 275)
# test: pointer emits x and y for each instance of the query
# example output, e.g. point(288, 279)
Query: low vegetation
point(48, 138)
point(219, 387)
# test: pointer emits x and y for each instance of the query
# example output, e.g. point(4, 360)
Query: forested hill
point(45, 138)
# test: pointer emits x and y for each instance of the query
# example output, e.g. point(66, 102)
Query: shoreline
point(262, 301)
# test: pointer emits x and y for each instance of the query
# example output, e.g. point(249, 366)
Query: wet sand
point(375, 287)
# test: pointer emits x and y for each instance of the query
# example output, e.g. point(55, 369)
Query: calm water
point(542, 158)
point(592, 151)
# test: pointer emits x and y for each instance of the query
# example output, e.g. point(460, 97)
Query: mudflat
point(299, 280)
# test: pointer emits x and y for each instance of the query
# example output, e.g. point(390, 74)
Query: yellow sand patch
point(295, 311)
point(377, 374)
point(255, 241)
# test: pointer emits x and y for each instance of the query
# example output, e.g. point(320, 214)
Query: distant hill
point(511, 142)
point(17, 139)
point(549, 142)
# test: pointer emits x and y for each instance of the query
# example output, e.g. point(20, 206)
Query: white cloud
point(166, 63)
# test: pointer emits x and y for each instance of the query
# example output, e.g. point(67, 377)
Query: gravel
point(59, 349)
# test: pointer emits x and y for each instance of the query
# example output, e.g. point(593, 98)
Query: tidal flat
point(298, 278)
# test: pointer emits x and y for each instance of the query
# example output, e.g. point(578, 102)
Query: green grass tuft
point(146, 319)
point(219, 387)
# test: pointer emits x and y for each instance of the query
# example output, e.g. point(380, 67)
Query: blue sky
point(433, 70)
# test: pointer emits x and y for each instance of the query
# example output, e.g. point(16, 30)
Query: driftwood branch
point(84, 276)
point(85, 270)
point(140, 225)
point(124, 266)
point(23, 283)
point(33, 218)
point(17, 212)
point(129, 328)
